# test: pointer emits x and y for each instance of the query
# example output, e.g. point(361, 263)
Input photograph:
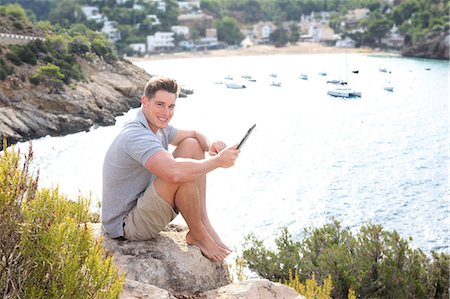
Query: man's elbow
point(174, 178)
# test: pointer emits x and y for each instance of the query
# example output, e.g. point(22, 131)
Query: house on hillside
point(262, 31)
point(189, 5)
point(393, 39)
point(160, 4)
point(155, 20)
point(345, 43)
point(160, 41)
point(93, 13)
point(180, 30)
point(111, 30)
point(353, 17)
point(138, 48)
point(322, 33)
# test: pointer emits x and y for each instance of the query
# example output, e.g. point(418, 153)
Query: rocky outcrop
point(28, 111)
point(253, 288)
point(167, 262)
point(434, 44)
point(168, 268)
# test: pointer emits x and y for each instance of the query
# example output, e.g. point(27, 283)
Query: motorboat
point(304, 76)
point(234, 85)
point(336, 81)
point(277, 84)
point(344, 92)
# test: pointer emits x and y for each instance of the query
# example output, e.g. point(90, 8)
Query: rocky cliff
point(435, 44)
point(167, 267)
point(110, 89)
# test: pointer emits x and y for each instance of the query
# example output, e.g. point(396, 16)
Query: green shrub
point(5, 69)
point(375, 263)
point(50, 75)
point(14, 58)
point(47, 249)
point(18, 25)
point(24, 53)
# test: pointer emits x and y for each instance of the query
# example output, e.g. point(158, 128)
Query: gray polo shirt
point(124, 176)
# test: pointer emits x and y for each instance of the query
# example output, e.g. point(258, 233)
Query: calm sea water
point(382, 158)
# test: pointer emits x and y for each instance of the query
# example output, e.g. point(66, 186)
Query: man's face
point(159, 109)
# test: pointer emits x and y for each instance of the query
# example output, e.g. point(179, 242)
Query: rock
point(253, 289)
point(435, 44)
point(166, 262)
point(134, 289)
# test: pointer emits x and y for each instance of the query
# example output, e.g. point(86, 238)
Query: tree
point(279, 37)
point(51, 76)
point(228, 30)
point(377, 25)
point(16, 11)
point(67, 13)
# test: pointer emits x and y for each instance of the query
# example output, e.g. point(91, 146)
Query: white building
point(160, 4)
point(155, 20)
point(207, 43)
point(180, 30)
point(110, 29)
point(189, 5)
point(345, 43)
point(138, 47)
point(92, 13)
point(160, 40)
point(262, 31)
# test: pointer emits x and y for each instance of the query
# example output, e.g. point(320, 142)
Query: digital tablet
point(246, 136)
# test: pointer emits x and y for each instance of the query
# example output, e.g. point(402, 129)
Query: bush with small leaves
point(375, 263)
point(47, 249)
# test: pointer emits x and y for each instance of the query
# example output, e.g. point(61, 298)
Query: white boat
point(344, 92)
point(341, 88)
point(336, 81)
point(234, 85)
point(277, 84)
point(388, 88)
point(388, 85)
point(304, 76)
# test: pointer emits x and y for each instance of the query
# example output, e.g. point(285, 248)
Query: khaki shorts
point(148, 217)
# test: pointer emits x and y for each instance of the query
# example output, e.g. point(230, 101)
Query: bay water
point(382, 158)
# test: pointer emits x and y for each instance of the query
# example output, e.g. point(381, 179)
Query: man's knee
point(189, 148)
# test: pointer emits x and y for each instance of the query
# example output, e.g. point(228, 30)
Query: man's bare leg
point(186, 198)
point(201, 183)
point(188, 203)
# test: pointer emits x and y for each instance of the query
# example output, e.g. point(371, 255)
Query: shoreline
point(258, 50)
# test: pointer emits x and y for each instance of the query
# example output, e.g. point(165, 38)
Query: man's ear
point(143, 100)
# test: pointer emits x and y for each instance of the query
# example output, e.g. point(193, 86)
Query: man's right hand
point(227, 156)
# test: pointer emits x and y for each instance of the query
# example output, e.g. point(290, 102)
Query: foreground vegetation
point(46, 248)
point(373, 264)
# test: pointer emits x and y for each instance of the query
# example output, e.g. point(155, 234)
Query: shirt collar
point(140, 117)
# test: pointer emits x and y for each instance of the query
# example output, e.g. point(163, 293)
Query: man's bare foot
point(216, 238)
point(208, 246)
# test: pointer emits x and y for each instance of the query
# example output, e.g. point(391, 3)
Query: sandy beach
point(300, 48)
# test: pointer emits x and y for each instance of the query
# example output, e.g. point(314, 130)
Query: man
point(144, 185)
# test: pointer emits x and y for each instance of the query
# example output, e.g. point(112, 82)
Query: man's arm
point(213, 148)
point(183, 134)
point(182, 170)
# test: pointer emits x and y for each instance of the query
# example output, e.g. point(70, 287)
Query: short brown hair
point(161, 83)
